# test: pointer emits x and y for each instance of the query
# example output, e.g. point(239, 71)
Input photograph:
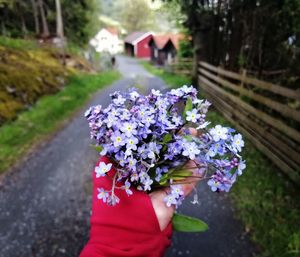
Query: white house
point(107, 40)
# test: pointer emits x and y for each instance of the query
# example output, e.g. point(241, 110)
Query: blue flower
point(102, 169)
point(170, 199)
point(190, 150)
point(127, 187)
point(102, 194)
point(131, 143)
point(118, 139)
point(119, 100)
point(219, 132)
point(237, 142)
point(129, 129)
point(192, 115)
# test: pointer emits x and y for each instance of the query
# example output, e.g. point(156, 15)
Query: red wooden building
point(137, 44)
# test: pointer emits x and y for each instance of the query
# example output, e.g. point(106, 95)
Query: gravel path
point(45, 202)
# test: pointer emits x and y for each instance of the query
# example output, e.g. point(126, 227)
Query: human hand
point(164, 213)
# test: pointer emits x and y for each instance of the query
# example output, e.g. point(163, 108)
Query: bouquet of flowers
point(149, 141)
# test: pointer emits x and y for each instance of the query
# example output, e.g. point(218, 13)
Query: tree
point(45, 32)
point(19, 18)
point(137, 15)
point(36, 17)
point(59, 20)
point(261, 36)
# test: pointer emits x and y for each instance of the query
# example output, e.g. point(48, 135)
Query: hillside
point(28, 71)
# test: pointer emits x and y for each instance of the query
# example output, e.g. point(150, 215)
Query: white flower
point(102, 169)
point(120, 100)
point(156, 92)
point(190, 150)
point(203, 125)
point(219, 132)
point(134, 95)
point(192, 115)
point(238, 142)
point(241, 167)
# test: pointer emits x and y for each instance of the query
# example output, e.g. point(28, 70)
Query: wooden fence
point(256, 108)
point(182, 66)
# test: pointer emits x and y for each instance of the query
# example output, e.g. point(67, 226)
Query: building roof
point(136, 37)
point(113, 31)
point(176, 38)
point(162, 40)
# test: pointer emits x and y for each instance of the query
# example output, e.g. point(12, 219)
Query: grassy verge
point(170, 79)
point(47, 115)
point(265, 201)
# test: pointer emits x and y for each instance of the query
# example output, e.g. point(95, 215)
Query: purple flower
point(147, 184)
point(129, 129)
point(127, 187)
point(113, 200)
point(177, 190)
point(118, 139)
point(131, 143)
point(119, 100)
point(134, 177)
point(146, 137)
point(142, 152)
point(170, 199)
point(102, 194)
point(132, 163)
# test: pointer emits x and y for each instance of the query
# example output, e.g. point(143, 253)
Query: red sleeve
point(128, 229)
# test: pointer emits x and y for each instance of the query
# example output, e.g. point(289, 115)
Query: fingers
point(193, 132)
point(163, 213)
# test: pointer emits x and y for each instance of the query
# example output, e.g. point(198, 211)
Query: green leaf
point(98, 148)
point(188, 138)
point(183, 223)
point(167, 138)
point(181, 174)
point(188, 107)
point(164, 179)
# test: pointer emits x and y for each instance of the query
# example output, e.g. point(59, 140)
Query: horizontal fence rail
point(260, 110)
point(182, 66)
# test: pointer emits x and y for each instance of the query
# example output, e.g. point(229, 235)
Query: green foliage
point(183, 223)
point(19, 44)
point(260, 36)
point(47, 115)
point(185, 48)
point(80, 19)
point(267, 203)
point(23, 18)
point(136, 15)
point(188, 107)
point(169, 78)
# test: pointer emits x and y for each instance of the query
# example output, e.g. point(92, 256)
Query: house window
point(155, 53)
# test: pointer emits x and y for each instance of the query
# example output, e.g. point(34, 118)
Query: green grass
point(47, 115)
point(266, 202)
point(170, 79)
point(20, 44)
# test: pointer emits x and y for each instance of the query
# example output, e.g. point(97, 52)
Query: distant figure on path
point(113, 61)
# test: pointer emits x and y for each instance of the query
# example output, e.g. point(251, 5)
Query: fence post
point(244, 73)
